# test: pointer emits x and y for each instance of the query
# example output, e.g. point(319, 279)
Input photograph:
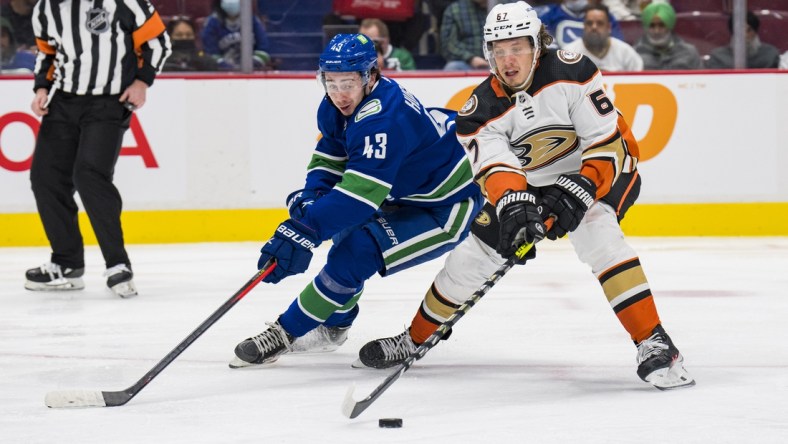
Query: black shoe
point(385, 352)
point(264, 348)
point(51, 276)
point(660, 362)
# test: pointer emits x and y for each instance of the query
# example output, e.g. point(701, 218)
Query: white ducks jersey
point(563, 123)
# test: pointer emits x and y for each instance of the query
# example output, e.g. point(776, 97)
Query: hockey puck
point(390, 423)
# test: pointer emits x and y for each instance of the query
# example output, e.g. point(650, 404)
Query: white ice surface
point(540, 359)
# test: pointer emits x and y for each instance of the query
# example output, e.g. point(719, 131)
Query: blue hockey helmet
point(348, 53)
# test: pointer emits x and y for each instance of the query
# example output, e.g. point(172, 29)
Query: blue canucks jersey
point(392, 151)
point(566, 26)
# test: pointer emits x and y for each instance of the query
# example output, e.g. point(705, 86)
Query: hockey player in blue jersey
point(388, 182)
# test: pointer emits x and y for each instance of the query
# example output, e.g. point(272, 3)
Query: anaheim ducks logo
point(469, 107)
point(545, 146)
point(568, 57)
point(483, 218)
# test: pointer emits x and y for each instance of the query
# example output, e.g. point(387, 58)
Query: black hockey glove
point(568, 199)
point(520, 222)
point(299, 201)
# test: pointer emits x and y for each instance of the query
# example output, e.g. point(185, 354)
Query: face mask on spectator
point(594, 41)
point(231, 7)
point(183, 45)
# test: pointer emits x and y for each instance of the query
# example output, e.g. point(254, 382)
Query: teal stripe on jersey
point(319, 307)
point(321, 161)
point(364, 188)
point(460, 177)
point(433, 238)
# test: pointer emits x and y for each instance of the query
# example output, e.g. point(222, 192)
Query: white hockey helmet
point(509, 21)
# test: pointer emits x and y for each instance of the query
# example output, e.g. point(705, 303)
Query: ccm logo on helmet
point(295, 237)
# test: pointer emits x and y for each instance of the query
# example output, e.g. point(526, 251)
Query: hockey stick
point(88, 398)
point(352, 408)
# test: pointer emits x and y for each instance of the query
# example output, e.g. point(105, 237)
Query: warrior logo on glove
point(577, 190)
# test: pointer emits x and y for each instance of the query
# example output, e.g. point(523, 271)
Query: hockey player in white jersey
point(545, 140)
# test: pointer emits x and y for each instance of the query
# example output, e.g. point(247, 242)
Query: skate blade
point(56, 285)
point(674, 377)
point(125, 290)
point(238, 363)
point(298, 350)
point(358, 364)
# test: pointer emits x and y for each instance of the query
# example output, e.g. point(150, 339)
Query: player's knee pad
point(354, 259)
point(599, 241)
point(466, 268)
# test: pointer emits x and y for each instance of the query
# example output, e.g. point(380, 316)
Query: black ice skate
point(660, 363)
point(52, 276)
point(119, 280)
point(385, 352)
point(264, 348)
point(321, 339)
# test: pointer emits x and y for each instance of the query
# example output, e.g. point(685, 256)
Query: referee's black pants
point(77, 147)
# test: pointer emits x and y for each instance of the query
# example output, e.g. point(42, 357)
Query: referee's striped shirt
point(97, 47)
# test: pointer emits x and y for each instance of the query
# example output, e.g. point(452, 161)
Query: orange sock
point(629, 294)
point(434, 311)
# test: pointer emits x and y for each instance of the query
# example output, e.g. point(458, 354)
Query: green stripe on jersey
point(321, 161)
point(460, 177)
point(364, 188)
point(319, 307)
point(431, 239)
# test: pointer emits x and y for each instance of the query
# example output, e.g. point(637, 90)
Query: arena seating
point(705, 30)
point(295, 31)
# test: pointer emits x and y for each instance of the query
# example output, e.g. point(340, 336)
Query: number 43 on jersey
point(376, 149)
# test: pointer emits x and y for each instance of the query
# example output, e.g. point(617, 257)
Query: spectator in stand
point(11, 59)
point(628, 9)
point(381, 60)
point(186, 56)
point(659, 47)
point(564, 21)
point(19, 14)
point(462, 35)
point(221, 36)
point(759, 54)
point(405, 30)
point(608, 53)
point(784, 61)
point(437, 8)
point(397, 59)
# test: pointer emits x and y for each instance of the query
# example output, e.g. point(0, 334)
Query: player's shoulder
point(379, 107)
point(562, 66)
point(488, 101)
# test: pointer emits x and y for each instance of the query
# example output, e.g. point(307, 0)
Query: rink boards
point(211, 158)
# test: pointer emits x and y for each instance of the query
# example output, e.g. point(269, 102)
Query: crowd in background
point(618, 35)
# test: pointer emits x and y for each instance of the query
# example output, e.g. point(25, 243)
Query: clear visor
point(518, 49)
point(498, 51)
point(341, 84)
